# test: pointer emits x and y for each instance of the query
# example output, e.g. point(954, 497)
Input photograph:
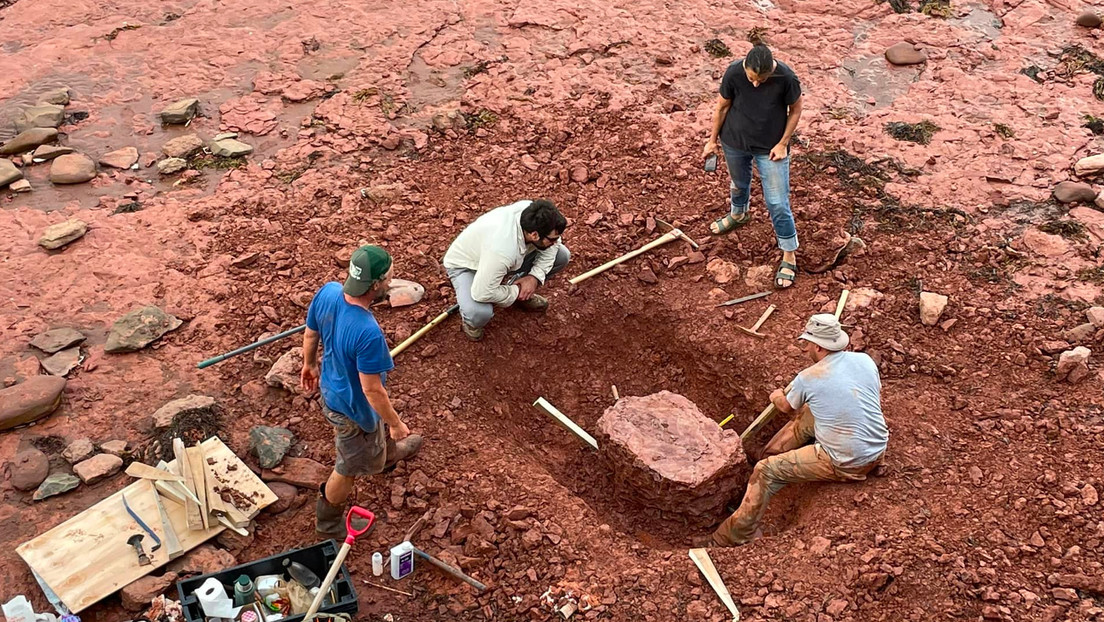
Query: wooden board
point(565, 421)
point(199, 483)
point(145, 471)
point(705, 564)
point(86, 558)
point(191, 507)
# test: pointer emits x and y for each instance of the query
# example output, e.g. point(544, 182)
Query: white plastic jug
point(19, 609)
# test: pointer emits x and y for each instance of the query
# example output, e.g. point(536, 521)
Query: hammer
point(671, 235)
point(754, 330)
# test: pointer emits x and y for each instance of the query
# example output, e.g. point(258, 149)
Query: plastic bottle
point(402, 560)
point(269, 584)
point(19, 609)
point(377, 563)
point(243, 591)
point(302, 574)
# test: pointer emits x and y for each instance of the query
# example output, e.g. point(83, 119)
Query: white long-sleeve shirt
point(494, 246)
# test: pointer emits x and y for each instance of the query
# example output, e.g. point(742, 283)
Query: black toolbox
point(317, 558)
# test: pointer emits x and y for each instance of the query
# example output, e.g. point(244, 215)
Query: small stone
point(270, 445)
point(20, 186)
point(905, 53)
point(245, 260)
point(285, 372)
point(1065, 594)
point(72, 168)
point(301, 472)
point(759, 277)
point(230, 148)
point(722, 271)
point(57, 339)
point(1088, 19)
point(1087, 166)
point(98, 467)
point(195, 406)
point(57, 236)
point(138, 329)
point(695, 257)
point(30, 400)
point(40, 116)
point(29, 468)
point(78, 451)
point(62, 363)
point(171, 166)
point(931, 307)
point(137, 595)
point(9, 173)
point(1074, 192)
point(179, 113)
point(1073, 365)
point(120, 158)
point(28, 140)
point(286, 496)
point(115, 448)
point(1089, 496)
point(1036, 540)
point(183, 146)
point(56, 484)
point(519, 513)
point(1095, 316)
point(976, 476)
point(819, 545)
point(835, 607)
point(224, 136)
point(647, 276)
point(57, 97)
point(384, 192)
point(579, 174)
point(1081, 332)
point(49, 152)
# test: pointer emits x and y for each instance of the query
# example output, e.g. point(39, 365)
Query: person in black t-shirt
point(757, 112)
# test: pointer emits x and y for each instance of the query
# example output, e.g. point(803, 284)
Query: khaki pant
point(788, 458)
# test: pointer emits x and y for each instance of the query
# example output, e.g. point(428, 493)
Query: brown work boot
point(405, 449)
point(473, 333)
point(329, 520)
point(536, 302)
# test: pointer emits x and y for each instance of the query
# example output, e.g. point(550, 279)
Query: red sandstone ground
point(984, 501)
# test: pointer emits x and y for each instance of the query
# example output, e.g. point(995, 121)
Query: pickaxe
point(754, 330)
point(671, 234)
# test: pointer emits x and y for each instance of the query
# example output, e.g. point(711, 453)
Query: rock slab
point(57, 97)
point(230, 148)
point(905, 53)
point(63, 362)
point(120, 158)
point(49, 152)
point(664, 453)
point(57, 339)
point(56, 484)
point(183, 146)
point(98, 467)
point(42, 115)
point(931, 307)
point(193, 405)
point(29, 469)
point(30, 400)
point(301, 472)
point(180, 112)
point(285, 372)
point(56, 236)
point(1089, 166)
point(1073, 365)
point(9, 173)
point(78, 451)
point(270, 445)
point(28, 140)
point(139, 328)
point(72, 168)
point(286, 497)
point(1074, 192)
point(722, 271)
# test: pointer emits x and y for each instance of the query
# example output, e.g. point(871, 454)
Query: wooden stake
point(191, 503)
point(145, 471)
point(199, 483)
point(615, 395)
point(705, 565)
point(670, 236)
point(565, 421)
point(172, 542)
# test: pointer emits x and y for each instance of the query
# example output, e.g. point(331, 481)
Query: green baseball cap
point(367, 266)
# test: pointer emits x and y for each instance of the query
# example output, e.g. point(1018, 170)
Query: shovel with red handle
point(336, 567)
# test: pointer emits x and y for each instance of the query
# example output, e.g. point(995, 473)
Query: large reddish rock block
point(666, 454)
point(32, 399)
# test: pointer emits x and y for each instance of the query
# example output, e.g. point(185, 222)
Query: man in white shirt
point(502, 258)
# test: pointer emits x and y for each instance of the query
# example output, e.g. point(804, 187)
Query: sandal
point(782, 276)
point(729, 223)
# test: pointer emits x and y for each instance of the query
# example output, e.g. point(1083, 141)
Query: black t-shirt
point(757, 119)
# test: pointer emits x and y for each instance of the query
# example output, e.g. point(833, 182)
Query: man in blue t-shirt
point(355, 362)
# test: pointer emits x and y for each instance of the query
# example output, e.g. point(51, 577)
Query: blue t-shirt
point(352, 344)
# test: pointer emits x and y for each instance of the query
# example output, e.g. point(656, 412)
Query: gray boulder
point(138, 329)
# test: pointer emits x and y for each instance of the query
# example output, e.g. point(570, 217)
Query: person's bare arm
point(308, 377)
point(719, 114)
point(781, 150)
point(778, 398)
point(380, 401)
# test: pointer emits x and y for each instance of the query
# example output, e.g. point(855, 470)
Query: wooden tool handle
point(422, 331)
point(842, 303)
point(330, 576)
point(762, 318)
point(663, 239)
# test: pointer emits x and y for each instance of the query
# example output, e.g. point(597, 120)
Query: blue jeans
point(775, 175)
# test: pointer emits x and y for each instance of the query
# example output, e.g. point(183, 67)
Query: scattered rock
point(1064, 594)
point(57, 339)
point(204, 559)
point(72, 168)
point(1088, 19)
point(1081, 332)
point(1074, 192)
point(819, 545)
point(647, 276)
point(1089, 166)
point(115, 448)
point(695, 257)
point(285, 372)
point(98, 467)
point(835, 607)
point(694, 471)
point(247, 259)
point(28, 140)
point(120, 158)
point(29, 468)
point(179, 113)
point(579, 174)
point(170, 166)
point(49, 152)
point(63, 362)
point(40, 116)
point(286, 497)
point(270, 445)
point(191, 406)
point(931, 307)
point(183, 146)
point(1089, 496)
point(1073, 365)
point(722, 271)
point(230, 148)
point(1095, 316)
point(235, 543)
point(30, 400)
point(9, 173)
point(78, 451)
point(301, 472)
point(519, 513)
point(976, 475)
point(384, 192)
point(57, 236)
point(759, 277)
point(139, 328)
point(137, 595)
point(57, 97)
point(20, 186)
point(905, 53)
point(1085, 583)
point(56, 484)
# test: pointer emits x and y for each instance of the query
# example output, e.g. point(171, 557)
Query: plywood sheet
point(86, 558)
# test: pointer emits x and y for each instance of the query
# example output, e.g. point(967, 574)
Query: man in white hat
point(838, 435)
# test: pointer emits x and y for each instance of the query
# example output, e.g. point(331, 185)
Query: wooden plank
point(170, 539)
point(145, 471)
point(199, 484)
point(86, 558)
point(565, 421)
point(191, 506)
point(705, 564)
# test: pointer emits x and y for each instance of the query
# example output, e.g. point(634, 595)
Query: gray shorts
point(359, 452)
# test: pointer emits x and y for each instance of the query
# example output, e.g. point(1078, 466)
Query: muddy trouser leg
point(563, 256)
point(477, 314)
point(775, 175)
point(798, 432)
point(806, 464)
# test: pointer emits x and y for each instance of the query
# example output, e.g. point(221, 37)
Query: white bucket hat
point(824, 330)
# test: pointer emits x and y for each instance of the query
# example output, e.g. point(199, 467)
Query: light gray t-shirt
point(843, 392)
